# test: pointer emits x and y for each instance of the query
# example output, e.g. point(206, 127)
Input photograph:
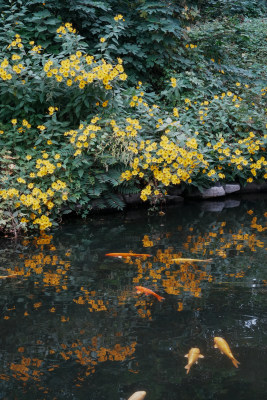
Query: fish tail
point(188, 368)
point(235, 362)
point(160, 298)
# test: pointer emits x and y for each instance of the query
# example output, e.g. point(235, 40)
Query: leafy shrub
point(77, 134)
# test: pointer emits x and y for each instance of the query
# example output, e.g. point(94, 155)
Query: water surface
point(73, 327)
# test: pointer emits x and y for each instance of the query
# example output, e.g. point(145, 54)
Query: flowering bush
point(75, 134)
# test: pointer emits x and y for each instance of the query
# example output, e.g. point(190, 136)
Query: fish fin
point(188, 369)
point(201, 356)
point(221, 352)
point(147, 294)
point(186, 355)
point(196, 362)
point(235, 362)
point(215, 346)
point(138, 292)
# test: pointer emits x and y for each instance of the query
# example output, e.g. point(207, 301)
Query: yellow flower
point(21, 180)
point(14, 121)
point(57, 157)
point(102, 40)
point(118, 17)
point(173, 82)
point(28, 157)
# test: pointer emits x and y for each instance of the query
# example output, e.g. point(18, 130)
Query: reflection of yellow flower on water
point(147, 242)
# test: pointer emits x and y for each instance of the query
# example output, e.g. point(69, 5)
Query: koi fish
point(181, 260)
point(121, 255)
point(193, 356)
point(147, 292)
point(222, 345)
point(138, 396)
point(8, 276)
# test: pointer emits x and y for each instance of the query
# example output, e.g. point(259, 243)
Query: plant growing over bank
point(77, 134)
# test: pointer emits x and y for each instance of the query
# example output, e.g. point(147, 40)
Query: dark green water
point(73, 327)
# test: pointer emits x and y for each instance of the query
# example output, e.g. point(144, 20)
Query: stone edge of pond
point(177, 195)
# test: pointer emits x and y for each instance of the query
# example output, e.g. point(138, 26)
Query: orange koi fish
point(181, 260)
point(193, 356)
point(121, 255)
point(138, 396)
point(147, 292)
point(222, 345)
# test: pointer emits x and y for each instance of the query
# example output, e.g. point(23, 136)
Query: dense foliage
point(105, 98)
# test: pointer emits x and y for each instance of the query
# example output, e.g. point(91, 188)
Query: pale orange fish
point(193, 356)
point(147, 292)
point(182, 260)
point(121, 255)
point(8, 276)
point(138, 396)
point(222, 345)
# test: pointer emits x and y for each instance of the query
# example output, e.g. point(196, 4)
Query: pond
point(72, 325)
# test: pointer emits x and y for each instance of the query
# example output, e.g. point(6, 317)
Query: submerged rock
point(213, 206)
point(231, 203)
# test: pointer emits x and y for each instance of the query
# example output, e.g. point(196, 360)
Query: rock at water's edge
point(214, 191)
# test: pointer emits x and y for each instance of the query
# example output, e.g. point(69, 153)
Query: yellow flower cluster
point(26, 124)
point(80, 138)
point(84, 70)
point(51, 111)
point(44, 222)
point(16, 42)
point(10, 193)
point(4, 74)
point(191, 46)
point(252, 145)
point(6, 69)
point(240, 155)
point(118, 17)
point(131, 128)
point(36, 49)
point(173, 82)
point(45, 166)
point(62, 30)
point(33, 198)
point(166, 162)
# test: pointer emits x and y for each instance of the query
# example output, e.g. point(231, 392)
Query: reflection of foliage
point(71, 309)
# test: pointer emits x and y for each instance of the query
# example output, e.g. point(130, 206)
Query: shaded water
point(73, 327)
